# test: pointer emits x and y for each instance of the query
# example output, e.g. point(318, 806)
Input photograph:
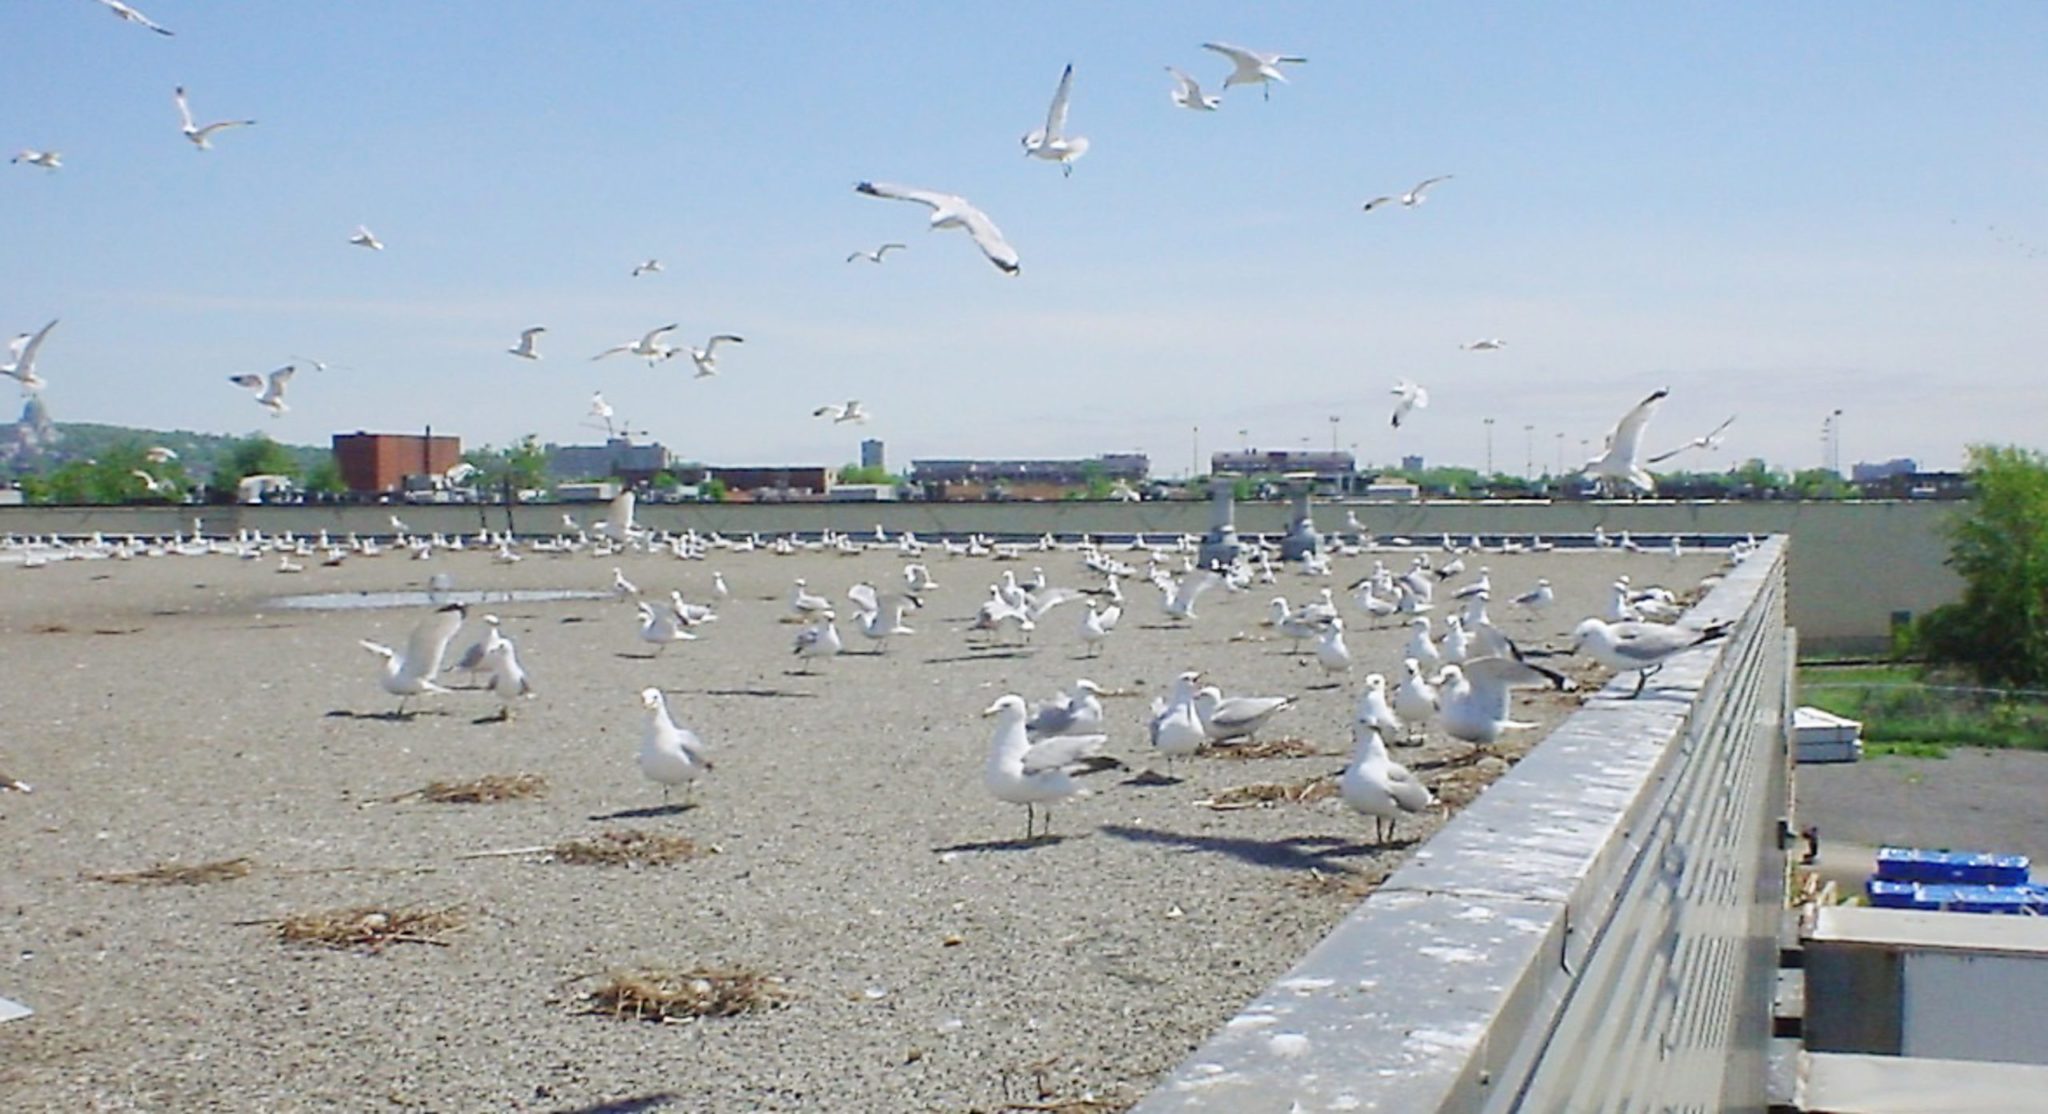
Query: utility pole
point(1529, 467)
point(1560, 452)
point(1334, 419)
point(1195, 455)
point(1489, 447)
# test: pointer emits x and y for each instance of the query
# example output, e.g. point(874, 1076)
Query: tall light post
point(1835, 445)
point(1334, 419)
point(1529, 468)
point(1489, 447)
point(1560, 452)
point(1195, 454)
point(1244, 436)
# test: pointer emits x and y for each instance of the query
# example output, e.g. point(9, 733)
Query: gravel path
point(166, 711)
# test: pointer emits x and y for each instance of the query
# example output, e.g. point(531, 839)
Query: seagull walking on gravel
point(1412, 198)
point(649, 347)
point(660, 626)
point(1408, 398)
point(365, 239)
point(1051, 142)
point(1236, 717)
point(876, 255)
point(202, 138)
point(820, 639)
point(1188, 94)
point(1077, 711)
point(1252, 67)
point(269, 389)
point(953, 211)
point(508, 678)
point(411, 673)
point(1619, 458)
point(21, 359)
point(1176, 728)
point(1378, 786)
point(525, 349)
point(1096, 625)
point(1021, 772)
point(1414, 698)
point(706, 358)
point(48, 160)
point(127, 14)
point(851, 412)
point(669, 755)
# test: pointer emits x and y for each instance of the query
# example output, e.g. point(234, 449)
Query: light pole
point(1195, 454)
point(1244, 436)
point(1489, 447)
point(1529, 468)
point(1835, 444)
point(1334, 419)
point(1560, 452)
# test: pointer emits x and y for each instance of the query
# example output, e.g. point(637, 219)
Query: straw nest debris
point(1352, 885)
point(1305, 791)
point(1459, 785)
point(1271, 748)
point(680, 996)
point(174, 874)
point(623, 847)
point(482, 791)
point(370, 927)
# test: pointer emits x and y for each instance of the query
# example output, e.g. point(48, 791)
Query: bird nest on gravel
point(624, 847)
point(678, 996)
point(371, 927)
point(1305, 791)
point(1271, 748)
point(174, 874)
point(482, 791)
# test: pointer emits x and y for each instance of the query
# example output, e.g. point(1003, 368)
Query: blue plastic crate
point(1954, 898)
point(1914, 864)
point(1893, 895)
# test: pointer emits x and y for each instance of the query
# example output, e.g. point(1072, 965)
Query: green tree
point(523, 465)
point(1998, 542)
point(1819, 483)
point(116, 475)
point(254, 455)
point(712, 490)
point(325, 478)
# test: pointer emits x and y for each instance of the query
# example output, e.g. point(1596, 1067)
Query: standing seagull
point(1188, 94)
point(524, 349)
point(22, 363)
point(1410, 199)
point(1253, 67)
point(202, 138)
point(876, 255)
point(364, 239)
point(648, 347)
point(1022, 772)
point(1378, 786)
point(1618, 458)
point(1051, 142)
point(129, 15)
point(1643, 647)
point(954, 211)
point(269, 392)
point(706, 358)
point(48, 160)
point(669, 755)
point(1411, 398)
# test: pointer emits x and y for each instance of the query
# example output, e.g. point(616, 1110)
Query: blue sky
point(1774, 210)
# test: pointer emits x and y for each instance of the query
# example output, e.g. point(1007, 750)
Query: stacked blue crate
point(1954, 881)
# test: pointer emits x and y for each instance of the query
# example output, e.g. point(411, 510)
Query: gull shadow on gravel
point(387, 717)
point(1291, 853)
point(650, 812)
point(633, 1105)
point(773, 694)
point(1152, 778)
point(1019, 652)
point(1006, 844)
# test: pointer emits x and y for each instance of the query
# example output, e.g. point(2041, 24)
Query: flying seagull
point(953, 211)
point(1411, 398)
point(649, 346)
point(48, 160)
point(21, 363)
point(363, 239)
point(706, 358)
point(851, 412)
point(1253, 67)
point(875, 256)
point(1188, 94)
point(130, 15)
point(269, 392)
point(1486, 344)
point(650, 267)
point(1052, 142)
point(202, 138)
point(1410, 199)
point(1712, 440)
point(1618, 457)
point(524, 349)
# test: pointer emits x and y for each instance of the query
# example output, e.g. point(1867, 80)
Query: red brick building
point(376, 463)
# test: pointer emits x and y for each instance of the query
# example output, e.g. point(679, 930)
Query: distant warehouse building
point(618, 458)
point(764, 484)
point(378, 463)
point(1024, 479)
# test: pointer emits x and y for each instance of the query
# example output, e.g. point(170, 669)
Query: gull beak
point(991, 710)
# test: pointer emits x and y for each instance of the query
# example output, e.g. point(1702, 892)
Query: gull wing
point(253, 382)
point(1428, 182)
point(1045, 601)
point(274, 390)
point(25, 351)
point(209, 129)
point(1245, 711)
point(1192, 586)
point(1377, 202)
point(429, 641)
point(1064, 750)
point(711, 345)
point(864, 595)
point(893, 192)
point(614, 350)
point(1056, 116)
point(1627, 438)
point(184, 109)
point(990, 239)
point(1189, 90)
point(1237, 54)
point(648, 340)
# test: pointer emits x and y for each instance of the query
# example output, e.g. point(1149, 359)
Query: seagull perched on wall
point(953, 211)
point(269, 390)
point(1643, 647)
point(202, 138)
point(1619, 456)
point(1252, 67)
point(1188, 94)
point(1051, 142)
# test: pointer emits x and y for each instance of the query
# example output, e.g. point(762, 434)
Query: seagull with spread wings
point(1409, 398)
point(1187, 93)
point(525, 348)
point(364, 239)
point(1253, 67)
point(202, 138)
point(876, 255)
point(48, 160)
point(269, 391)
point(851, 412)
point(1410, 199)
point(648, 347)
point(1619, 457)
point(127, 14)
point(706, 358)
point(21, 363)
point(953, 211)
point(1051, 142)
point(1712, 440)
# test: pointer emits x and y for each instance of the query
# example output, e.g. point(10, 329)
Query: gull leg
point(1029, 817)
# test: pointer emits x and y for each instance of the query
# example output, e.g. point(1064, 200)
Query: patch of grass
point(370, 927)
point(1908, 705)
point(172, 874)
point(661, 995)
point(1905, 749)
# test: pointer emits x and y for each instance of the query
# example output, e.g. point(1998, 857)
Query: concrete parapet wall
point(1854, 563)
point(1597, 931)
